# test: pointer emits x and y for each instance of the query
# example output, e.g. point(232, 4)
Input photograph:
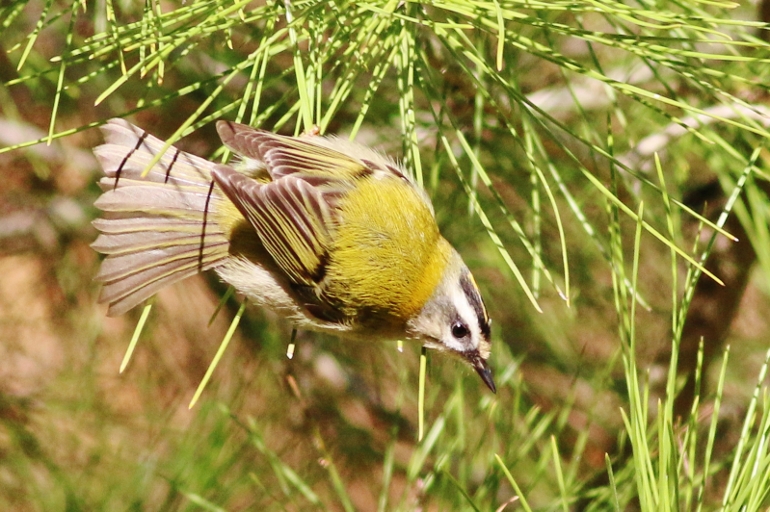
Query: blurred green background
point(540, 130)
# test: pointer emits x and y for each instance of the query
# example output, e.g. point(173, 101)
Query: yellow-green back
point(387, 255)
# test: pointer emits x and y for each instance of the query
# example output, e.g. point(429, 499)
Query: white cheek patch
point(453, 344)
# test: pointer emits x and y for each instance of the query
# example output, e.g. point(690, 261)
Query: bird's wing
point(284, 156)
point(291, 217)
point(310, 158)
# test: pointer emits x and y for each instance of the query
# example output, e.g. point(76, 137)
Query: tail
point(156, 229)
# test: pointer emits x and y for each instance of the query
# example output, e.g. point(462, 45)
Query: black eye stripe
point(471, 292)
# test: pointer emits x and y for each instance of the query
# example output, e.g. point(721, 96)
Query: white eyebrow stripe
point(473, 295)
point(468, 316)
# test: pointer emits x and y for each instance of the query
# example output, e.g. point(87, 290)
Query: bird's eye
point(459, 330)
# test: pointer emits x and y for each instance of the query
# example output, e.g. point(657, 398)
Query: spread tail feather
point(156, 229)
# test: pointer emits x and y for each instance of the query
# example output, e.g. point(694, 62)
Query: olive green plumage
point(329, 234)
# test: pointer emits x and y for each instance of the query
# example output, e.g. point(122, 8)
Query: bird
point(329, 234)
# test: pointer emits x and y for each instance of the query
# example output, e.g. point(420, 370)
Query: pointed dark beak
point(481, 367)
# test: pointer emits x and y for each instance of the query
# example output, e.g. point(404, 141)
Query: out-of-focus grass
point(539, 129)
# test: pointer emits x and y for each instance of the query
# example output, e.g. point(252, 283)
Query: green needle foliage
point(559, 141)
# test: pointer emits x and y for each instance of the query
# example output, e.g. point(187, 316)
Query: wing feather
point(284, 156)
point(291, 217)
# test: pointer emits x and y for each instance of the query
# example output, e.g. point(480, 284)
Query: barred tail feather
point(156, 229)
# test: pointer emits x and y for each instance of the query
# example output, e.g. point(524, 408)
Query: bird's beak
point(482, 368)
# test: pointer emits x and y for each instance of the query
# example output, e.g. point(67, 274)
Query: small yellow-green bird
point(327, 233)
